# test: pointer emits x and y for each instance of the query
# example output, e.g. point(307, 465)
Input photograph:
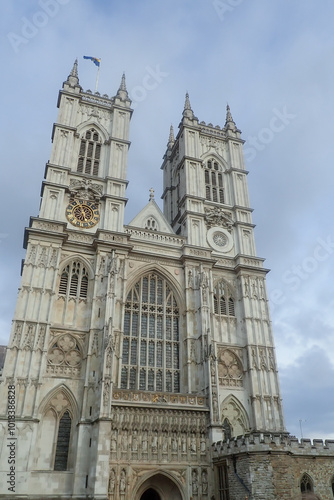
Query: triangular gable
point(151, 217)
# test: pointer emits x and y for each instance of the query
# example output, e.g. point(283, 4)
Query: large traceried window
point(151, 344)
point(223, 300)
point(89, 153)
point(214, 189)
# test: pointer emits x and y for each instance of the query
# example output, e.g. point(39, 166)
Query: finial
point(122, 93)
point(72, 78)
point(74, 71)
point(171, 138)
point(188, 112)
point(151, 194)
point(229, 123)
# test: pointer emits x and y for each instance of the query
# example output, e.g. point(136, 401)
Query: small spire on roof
point(229, 123)
point(74, 71)
point(122, 93)
point(73, 78)
point(188, 112)
point(151, 194)
point(171, 138)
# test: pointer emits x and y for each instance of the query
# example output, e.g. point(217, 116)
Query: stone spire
point(73, 78)
point(122, 93)
point(229, 123)
point(188, 112)
point(171, 138)
point(151, 194)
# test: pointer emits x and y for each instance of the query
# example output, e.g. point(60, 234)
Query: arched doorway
point(159, 486)
point(150, 494)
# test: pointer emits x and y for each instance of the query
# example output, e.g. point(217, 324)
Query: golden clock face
point(82, 213)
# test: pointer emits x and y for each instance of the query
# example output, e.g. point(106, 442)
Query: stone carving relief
point(230, 372)
point(65, 355)
point(218, 217)
point(158, 433)
point(85, 190)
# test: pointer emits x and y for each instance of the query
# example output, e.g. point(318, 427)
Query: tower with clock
point(136, 346)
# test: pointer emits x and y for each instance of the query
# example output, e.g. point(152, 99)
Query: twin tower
point(136, 347)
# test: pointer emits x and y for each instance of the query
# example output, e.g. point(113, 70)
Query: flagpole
point(97, 78)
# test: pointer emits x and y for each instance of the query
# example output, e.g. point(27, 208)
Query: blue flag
point(95, 60)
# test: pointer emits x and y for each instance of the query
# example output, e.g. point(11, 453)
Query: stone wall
point(270, 467)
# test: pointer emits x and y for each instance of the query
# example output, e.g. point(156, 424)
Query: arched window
point(63, 442)
point(214, 189)
point(151, 344)
point(89, 153)
point(306, 484)
point(74, 281)
point(223, 300)
point(151, 224)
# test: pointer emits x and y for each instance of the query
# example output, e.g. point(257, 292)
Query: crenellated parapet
point(271, 443)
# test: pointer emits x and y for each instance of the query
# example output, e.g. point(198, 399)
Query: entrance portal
point(150, 495)
point(158, 487)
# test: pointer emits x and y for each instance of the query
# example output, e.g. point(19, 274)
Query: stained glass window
point(151, 332)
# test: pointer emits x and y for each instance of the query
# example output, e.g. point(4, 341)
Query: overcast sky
point(272, 61)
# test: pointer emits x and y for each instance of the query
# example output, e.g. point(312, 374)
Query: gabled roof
point(153, 212)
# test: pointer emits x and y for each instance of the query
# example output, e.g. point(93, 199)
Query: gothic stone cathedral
point(141, 363)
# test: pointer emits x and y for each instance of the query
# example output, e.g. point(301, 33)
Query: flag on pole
point(95, 60)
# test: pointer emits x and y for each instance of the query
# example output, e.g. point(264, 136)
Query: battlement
point(272, 442)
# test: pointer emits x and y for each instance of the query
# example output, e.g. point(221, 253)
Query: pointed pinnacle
point(122, 93)
point(73, 79)
point(171, 138)
point(188, 112)
point(187, 103)
point(74, 71)
point(229, 123)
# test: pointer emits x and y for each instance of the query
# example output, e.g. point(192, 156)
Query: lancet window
point(89, 153)
point(214, 189)
point(223, 300)
point(74, 281)
point(151, 344)
point(63, 442)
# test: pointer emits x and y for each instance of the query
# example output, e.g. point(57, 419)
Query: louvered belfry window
point(89, 153)
point(214, 189)
point(223, 300)
point(151, 344)
point(74, 281)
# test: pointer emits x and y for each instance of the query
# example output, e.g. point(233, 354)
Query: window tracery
point(89, 153)
point(151, 346)
point(214, 188)
point(306, 484)
point(223, 300)
point(74, 281)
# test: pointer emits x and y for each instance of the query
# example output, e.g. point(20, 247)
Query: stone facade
point(135, 347)
point(270, 467)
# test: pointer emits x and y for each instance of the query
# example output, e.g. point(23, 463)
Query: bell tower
point(206, 201)
point(60, 349)
point(88, 159)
